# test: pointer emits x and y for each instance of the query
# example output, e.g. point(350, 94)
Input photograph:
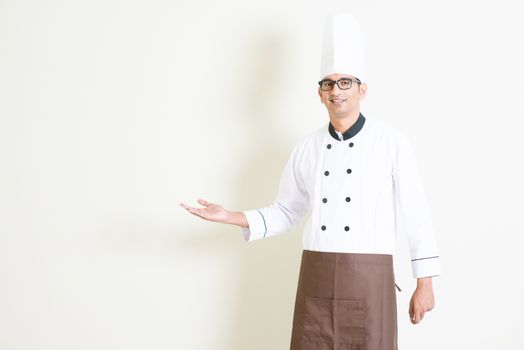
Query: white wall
point(113, 112)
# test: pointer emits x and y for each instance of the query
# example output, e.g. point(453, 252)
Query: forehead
point(336, 76)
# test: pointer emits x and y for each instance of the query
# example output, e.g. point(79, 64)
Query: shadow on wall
point(265, 271)
point(268, 268)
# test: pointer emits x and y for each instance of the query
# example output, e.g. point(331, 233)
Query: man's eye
point(344, 83)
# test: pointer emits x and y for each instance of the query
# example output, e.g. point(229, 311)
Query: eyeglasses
point(342, 83)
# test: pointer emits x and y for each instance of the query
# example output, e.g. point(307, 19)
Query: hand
point(211, 212)
point(422, 300)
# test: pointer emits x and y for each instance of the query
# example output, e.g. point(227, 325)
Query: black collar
point(352, 131)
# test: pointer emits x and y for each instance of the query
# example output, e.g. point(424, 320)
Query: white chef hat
point(342, 47)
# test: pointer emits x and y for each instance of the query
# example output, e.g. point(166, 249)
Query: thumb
point(204, 202)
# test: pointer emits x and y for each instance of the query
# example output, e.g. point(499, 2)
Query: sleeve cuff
point(426, 267)
point(257, 228)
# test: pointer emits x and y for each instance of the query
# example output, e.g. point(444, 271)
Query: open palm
point(210, 211)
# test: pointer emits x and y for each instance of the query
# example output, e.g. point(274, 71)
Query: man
point(359, 179)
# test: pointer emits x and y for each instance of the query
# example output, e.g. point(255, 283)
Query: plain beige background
point(111, 113)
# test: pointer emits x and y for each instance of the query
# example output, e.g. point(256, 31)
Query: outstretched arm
point(290, 206)
point(216, 213)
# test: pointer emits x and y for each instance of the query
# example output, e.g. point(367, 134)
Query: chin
point(340, 112)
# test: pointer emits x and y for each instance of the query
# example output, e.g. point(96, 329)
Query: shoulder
point(313, 139)
point(308, 146)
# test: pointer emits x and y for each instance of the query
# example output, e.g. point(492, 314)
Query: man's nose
point(335, 90)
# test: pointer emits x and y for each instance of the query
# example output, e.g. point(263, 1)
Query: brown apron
point(345, 301)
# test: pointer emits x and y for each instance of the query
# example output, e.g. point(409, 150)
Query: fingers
point(210, 211)
point(415, 318)
point(416, 312)
point(195, 211)
point(187, 207)
point(419, 315)
point(200, 201)
point(204, 202)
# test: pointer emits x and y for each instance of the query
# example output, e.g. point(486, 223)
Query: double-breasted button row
point(351, 144)
point(324, 200)
point(349, 171)
point(323, 228)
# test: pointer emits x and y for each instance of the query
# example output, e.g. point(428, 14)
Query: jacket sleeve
point(412, 212)
point(284, 214)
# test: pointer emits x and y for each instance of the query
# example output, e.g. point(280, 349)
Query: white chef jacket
point(362, 188)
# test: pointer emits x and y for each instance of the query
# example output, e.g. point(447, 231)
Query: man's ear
point(319, 94)
point(363, 89)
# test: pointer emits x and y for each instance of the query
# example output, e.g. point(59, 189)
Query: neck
point(343, 123)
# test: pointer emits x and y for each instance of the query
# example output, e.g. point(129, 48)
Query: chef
point(358, 179)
